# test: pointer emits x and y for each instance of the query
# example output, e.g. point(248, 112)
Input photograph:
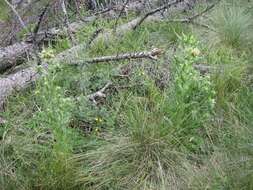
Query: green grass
point(165, 126)
point(233, 26)
point(4, 11)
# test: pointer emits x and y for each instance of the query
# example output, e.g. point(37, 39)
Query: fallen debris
point(153, 54)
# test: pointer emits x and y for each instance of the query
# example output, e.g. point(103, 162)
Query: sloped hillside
point(145, 95)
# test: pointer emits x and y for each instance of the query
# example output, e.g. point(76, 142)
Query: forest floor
point(181, 121)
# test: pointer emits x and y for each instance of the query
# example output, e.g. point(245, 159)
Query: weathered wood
point(13, 55)
point(154, 11)
point(26, 77)
point(153, 54)
point(15, 82)
point(17, 53)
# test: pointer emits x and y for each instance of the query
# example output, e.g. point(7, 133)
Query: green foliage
point(233, 26)
point(192, 102)
point(163, 126)
point(4, 11)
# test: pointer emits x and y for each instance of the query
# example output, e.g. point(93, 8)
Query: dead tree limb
point(16, 82)
point(99, 94)
point(152, 12)
point(14, 55)
point(94, 36)
point(194, 17)
point(35, 32)
point(17, 53)
point(153, 54)
point(121, 12)
point(66, 22)
point(26, 77)
point(16, 14)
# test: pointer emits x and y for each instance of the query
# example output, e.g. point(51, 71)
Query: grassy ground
point(3, 12)
point(163, 126)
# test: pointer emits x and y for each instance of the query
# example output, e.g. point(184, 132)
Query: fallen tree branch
point(136, 55)
point(17, 15)
point(14, 55)
point(66, 22)
point(152, 12)
point(16, 82)
point(99, 94)
point(121, 12)
point(94, 36)
point(17, 53)
point(194, 17)
point(24, 78)
point(35, 32)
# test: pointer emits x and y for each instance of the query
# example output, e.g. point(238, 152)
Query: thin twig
point(120, 14)
point(35, 33)
point(94, 36)
point(66, 22)
point(17, 15)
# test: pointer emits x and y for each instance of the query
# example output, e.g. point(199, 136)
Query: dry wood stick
point(94, 36)
point(34, 35)
point(66, 22)
point(17, 15)
point(152, 12)
point(120, 14)
point(194, 17)
point(135, 55)
point(99, 94)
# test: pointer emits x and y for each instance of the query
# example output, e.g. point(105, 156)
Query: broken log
point(17, 53)
point(14, 55)
point(16, 82)
point(22, 79)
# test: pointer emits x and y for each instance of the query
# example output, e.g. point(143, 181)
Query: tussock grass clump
point(233, 26)
point(161, 134)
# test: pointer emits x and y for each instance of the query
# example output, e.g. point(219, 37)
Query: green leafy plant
point(192, 99)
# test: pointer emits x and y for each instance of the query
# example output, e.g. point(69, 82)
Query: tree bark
point(14, 55)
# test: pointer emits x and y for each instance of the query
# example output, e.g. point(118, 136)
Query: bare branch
point(66, 22)
point(94, 36)
point(194, 17)
point(17, 15)
point(121, 12)
point(137, 55)
point(166, 6)
point(99, 94)
point(35, 32)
